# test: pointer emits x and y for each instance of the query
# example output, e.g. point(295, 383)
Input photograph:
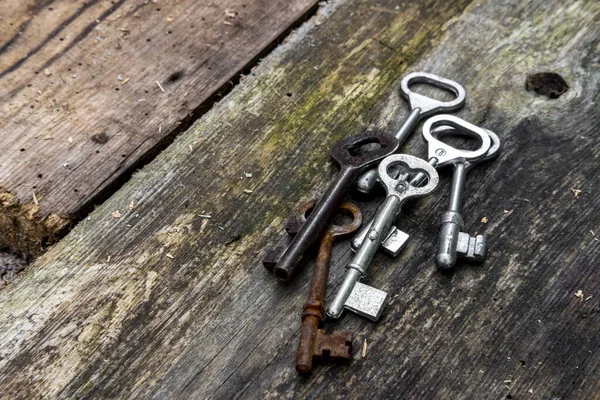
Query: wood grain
point(90, 90)
point(165, 302)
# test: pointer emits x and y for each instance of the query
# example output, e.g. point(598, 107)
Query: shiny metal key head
point(401, 187)
point(446, 154)
point(492, 152)
point(366, 301)
point(346, 152)
point(427, 105)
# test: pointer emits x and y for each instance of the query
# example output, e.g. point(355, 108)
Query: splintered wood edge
point(23, 229)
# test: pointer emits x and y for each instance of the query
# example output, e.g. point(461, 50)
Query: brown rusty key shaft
point(315, 343)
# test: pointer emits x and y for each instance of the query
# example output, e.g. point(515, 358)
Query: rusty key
point(353, 162)
point(315, 343)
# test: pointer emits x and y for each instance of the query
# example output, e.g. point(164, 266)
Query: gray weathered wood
point(162, 302)
point(80, 101)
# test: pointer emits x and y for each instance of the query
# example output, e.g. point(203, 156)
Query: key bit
point(366, 301)
point(395, 242)
point(292, 225)
point(335, 346)
point(315, 343)
point(354, 155)
point(471, 248)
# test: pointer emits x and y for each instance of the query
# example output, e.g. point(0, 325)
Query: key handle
point(337, 231)
point(427, 105)
point(491, 153)
point(342, 151)
point(446, 154)
point(401, 187)
point(341, 231)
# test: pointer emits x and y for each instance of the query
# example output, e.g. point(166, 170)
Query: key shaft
point(357, 268)
point(314, 225)
point(354, 154)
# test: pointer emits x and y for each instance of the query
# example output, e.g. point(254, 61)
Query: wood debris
point(159, 86)
point(125, 81)
point(131, 205)
point(484, 220)
point(207, 216)
point(579, 294)
point(227, 23)
point(108, 259)
point(47, 72)
point(230, 14)
point(169, 255)
point(530, 391)
point(247, 191)
point(575, 192)
point(35, 199)
point(247, 175)
point(364, 349)
point(116, 214)
point(191, 148)
point(70, 140)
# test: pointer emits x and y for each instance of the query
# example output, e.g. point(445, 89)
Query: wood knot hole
point(548, 84)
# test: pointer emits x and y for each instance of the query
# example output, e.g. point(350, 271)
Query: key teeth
point(395, 242)
point(471, 248)
point(336, 346)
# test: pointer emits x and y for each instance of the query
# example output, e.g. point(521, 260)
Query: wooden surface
point(159, 301)
point(80, 100)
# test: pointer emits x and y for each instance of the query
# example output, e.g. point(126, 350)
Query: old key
point(353, 295)
point(354, 157)
point(453, 242)
point(315, 343)
point(421, 107)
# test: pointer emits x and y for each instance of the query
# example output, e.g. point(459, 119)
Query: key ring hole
point(366, 148)
point(438, 93)
point(403, 175)
point(458, 139)
point(342, 218)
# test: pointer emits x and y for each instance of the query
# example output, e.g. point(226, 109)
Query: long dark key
point(315, 343)
point(354, 157)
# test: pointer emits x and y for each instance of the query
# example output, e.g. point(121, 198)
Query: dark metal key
point(315, 343)
point(354, 157)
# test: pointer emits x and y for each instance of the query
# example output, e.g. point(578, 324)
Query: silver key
point(421, 107)
point(440, 154)
point(362, 299)
point(452, 242)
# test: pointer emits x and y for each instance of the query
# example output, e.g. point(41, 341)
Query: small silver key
point(440, 154)
point(421, 106)
point(360, 298)
point(452, 242)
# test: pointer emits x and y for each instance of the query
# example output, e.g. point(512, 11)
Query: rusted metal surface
point(315, 343)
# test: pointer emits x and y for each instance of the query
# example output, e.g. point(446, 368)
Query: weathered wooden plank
point(91, 89)
point(108, 313)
